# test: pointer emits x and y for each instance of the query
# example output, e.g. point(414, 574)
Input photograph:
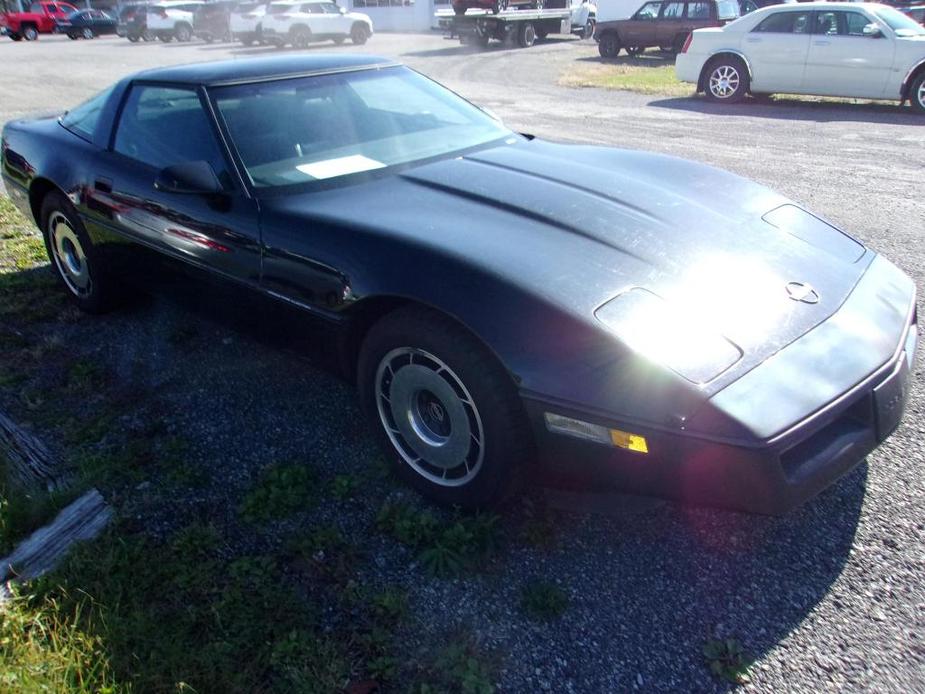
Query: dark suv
point(662, 23)
point(211, 22)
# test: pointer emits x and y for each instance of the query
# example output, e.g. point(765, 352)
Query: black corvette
point(502, 302)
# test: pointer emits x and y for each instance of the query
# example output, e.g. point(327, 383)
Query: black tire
point(493, 437)
point(359, 33)
point(30, 33)
point(300, 36)
point(725, 79)
point(133, 37)
point(73, 35)
point(165, 38)
point(609, 45)
point(87, 33)
point(917, 93)
point(77, 260)
point(183, 32)
point(147, 35)
point(526, 35)
point(16, 37)
point(589, 29)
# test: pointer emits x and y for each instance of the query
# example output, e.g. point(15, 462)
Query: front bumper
point(770, 475)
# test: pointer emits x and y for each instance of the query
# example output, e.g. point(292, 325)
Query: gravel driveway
point(831, 597)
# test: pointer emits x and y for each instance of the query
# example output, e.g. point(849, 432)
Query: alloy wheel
point(724, 81)
point(429, 416)
point(69, 255)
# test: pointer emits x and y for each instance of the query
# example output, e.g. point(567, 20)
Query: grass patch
point(458, 667)
point(23, 511)
point(542, 600)
point(645, 74)
point(444, 549)
point(727, 660)
point(281, 491)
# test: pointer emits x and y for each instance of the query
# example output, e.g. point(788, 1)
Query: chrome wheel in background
point(724, 81)
point(429, 416)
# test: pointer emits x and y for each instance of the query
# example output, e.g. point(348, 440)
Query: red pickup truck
point(42, 18)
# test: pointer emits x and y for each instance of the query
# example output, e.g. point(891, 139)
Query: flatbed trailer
point(524, 26)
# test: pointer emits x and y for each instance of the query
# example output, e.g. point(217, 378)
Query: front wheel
point(73, 35)
point(609, 45)
point(30, 33)
point(726, 80)
point(73, 256)
point(917, 93)
point(444, 409)
point(300, 37)
point(526, 37)
point(359, 34)
point(87, 33)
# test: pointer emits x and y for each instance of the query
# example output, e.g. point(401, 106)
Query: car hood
point(576, 226)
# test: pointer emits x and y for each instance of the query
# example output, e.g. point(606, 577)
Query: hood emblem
point(802, 291)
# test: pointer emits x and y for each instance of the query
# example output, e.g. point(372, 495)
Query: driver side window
point(163, 126)
point(649, 11)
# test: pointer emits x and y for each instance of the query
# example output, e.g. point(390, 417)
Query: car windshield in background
point(295, 131)
point(901, 23)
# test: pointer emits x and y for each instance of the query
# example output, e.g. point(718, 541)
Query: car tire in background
point(589, 29)
point(609, 45)
point(16, 37)
point(148, 35)
point(73, 35)
point(444, 409)
point(133, 37)
point(165, 38)
point(29, 32)
point(359, 33)
point(725, 79)
point(184, 32)
point(300, 36)
point(917, 93)
point(87, 33)
point(526, 35)
point(74, 259)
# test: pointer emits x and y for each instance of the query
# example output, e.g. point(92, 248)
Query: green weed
point(542, 600)
point(727, 660)
point(281, 491)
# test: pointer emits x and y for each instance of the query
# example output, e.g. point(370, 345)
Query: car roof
point(260, 69)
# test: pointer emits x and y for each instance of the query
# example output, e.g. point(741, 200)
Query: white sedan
point(860, 50)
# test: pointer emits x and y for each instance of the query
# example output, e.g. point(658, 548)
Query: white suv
point(245, 21)
point(172, 20)
point(299, 23)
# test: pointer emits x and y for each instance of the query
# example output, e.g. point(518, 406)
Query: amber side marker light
point(578, 429)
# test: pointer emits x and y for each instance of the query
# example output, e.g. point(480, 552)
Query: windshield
point(296, 131)
point(902, 24)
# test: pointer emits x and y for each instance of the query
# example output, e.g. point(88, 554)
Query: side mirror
point(873, 31)
point(190, 177)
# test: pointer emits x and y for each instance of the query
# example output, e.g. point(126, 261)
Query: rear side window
point(673, 10)
point(82, 120)
point(163, 126)
point(785, 23)
point(727, 9)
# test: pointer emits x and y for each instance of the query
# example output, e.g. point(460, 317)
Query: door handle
point(820, 42)
point(104, 185)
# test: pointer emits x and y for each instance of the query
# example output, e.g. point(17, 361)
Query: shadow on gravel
point(784, 108)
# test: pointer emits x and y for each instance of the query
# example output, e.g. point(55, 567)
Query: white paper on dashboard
point(329, 168)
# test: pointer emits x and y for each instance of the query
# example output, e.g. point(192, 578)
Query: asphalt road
point(830, 597)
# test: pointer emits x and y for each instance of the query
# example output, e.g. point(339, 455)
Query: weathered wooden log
point(43, 550)
point(30, 464)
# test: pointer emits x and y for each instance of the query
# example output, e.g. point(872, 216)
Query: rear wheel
point(444, 409)
point(526, 36)
point(30, 33)
point(726, 79)
point(359, 34)
point(184, 32)
point(148, 35)
point(132, 37)
point(16, 37)
point(609, 45)
point(73, 257)
point(917, 93)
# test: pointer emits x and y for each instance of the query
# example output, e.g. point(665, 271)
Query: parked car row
point(291, 22)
